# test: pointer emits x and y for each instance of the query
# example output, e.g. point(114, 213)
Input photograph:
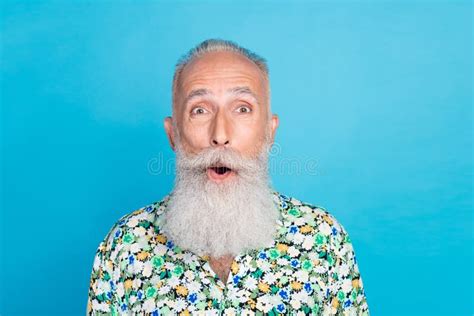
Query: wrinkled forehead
point(221, 68)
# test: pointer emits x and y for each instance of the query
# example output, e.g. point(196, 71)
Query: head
point(221, 98)
point(221, 129)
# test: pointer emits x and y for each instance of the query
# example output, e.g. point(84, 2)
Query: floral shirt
point(310, 268)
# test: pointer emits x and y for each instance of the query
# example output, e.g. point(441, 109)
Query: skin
point(221, 101)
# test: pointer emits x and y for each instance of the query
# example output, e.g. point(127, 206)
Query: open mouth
point(219, 172)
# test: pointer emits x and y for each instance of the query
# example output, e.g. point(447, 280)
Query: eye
point(198, 110)
point(244, 109)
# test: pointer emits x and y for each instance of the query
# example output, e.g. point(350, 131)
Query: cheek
point(249, 139)
point(195, 137)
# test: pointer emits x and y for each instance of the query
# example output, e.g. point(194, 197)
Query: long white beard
point(217, 219)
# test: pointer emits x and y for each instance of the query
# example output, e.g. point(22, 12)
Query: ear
point(275, 121)
point(168, 123)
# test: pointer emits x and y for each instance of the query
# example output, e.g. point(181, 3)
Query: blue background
point(377, 94)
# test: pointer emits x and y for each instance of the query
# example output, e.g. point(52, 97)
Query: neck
point(221, 266)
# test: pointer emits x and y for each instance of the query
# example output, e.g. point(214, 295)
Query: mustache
point(222, 157)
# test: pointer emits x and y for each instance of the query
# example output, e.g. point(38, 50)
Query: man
point(223, 242)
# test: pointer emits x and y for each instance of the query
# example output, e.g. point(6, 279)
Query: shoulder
point(308, 219)
point(299, 212)
point(136, 227)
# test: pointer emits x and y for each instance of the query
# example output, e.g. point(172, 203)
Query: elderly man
point(223, 242)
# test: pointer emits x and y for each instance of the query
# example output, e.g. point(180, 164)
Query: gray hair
point(218, 45)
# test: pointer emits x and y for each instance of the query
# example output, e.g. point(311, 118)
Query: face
point(221, 102)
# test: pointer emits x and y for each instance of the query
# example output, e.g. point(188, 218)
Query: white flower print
point(132, 222)
point(135, 247)
point(160, 250)
point(103, 287)
point(147, 269)
point(321, 269)
point(179, 305)
point(295, 303)
point(264, 265)
point(306, 209)
point(233, 294)
point(189, 275)
point(298, 238)
point(282, 261)
point(149, 305)
point(193, 287)
point(293, 252)
point(173, 281)
point(308, 243)
point(102, 307)
point(301, 296)
point(269, 278)
point(164, 290)
point(250, 284)
point(300, 221)
point(120, 290)
point(170, 265)
point(188, 258)
point(139, 231)
point(229, 312)
point(325, 229)
point(215, 292)
point(247, 312)
point(302, 275)
point(346, 285)
point(343, 270)
point(263, 303)
point(296, 202)
point(137, 283)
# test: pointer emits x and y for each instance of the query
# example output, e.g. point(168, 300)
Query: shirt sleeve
point(345, 293)
point(104, 280)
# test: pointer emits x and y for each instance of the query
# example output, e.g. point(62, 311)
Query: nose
point(220, 135)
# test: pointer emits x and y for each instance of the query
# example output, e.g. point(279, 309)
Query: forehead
point(216, 69)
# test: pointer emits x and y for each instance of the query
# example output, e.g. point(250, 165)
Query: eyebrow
point(244, 90)
point(196, 93)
